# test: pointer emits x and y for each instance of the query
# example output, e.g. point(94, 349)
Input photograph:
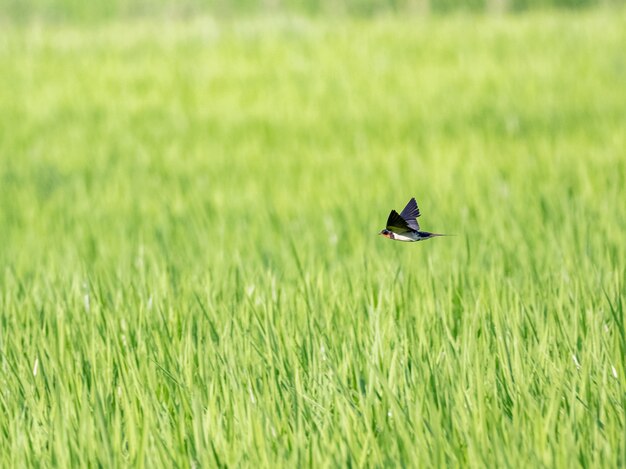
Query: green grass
point(190, 272)
point(103, 10)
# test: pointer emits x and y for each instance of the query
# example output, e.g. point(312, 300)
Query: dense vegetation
point(190, 267)
point(97, 10)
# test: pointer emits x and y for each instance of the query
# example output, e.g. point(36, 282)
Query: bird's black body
point(404, 227)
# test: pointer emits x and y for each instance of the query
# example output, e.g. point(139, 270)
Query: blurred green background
point(189, 199)
point(99, 10)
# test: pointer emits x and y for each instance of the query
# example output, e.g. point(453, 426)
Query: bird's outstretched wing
point(396, 223)
point(410, 213)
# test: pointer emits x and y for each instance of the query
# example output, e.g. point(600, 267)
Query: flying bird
point(404, 226)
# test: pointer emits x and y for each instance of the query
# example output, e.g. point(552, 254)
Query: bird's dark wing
point(410, 213)
point(396, 223)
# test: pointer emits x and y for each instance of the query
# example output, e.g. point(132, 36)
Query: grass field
point(190, 272)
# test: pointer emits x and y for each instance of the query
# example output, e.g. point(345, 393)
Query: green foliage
point(97, 10)
point(190, 268)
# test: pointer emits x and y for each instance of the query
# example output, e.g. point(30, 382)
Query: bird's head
point(386, 233)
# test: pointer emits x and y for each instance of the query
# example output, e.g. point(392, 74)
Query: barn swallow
point(404, 226)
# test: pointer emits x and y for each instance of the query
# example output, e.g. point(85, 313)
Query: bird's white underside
point(409, 237)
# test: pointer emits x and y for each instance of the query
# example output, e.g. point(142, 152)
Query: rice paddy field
point(190, 272)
